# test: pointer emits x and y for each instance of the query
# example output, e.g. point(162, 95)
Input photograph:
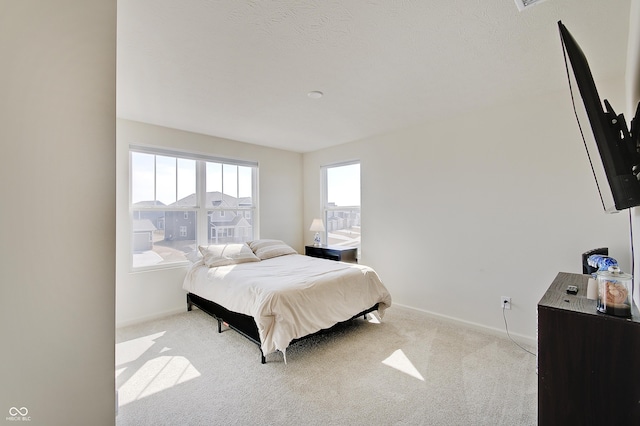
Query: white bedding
point(290, 296)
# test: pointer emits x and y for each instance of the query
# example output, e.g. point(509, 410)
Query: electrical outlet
point(505, 302)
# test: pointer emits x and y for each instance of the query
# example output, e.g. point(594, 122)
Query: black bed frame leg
point(263, 360)
point(189, 304)
point(219, 325)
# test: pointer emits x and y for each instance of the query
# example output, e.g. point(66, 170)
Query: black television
point(617, 147)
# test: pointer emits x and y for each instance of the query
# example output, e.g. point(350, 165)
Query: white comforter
point(290, 296)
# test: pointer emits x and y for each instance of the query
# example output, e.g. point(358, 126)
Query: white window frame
point(326, 207)
point(200, 209)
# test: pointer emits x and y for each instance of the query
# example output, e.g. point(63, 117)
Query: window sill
point(151, 268)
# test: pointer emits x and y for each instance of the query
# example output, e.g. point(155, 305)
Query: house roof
point(237, 220)
point(149, 203)
point(143, 225)
point(213, 199)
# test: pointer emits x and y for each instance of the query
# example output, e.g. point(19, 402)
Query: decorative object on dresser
point(339, 253)
point(317, 226)
point(588, 362)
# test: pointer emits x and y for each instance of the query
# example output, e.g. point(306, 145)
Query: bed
point(274, 296)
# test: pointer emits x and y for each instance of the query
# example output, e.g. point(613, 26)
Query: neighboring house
point(142, 235)
point(231, 227)
point(342, 219)
point(225, 223)
point(180, 225)
point(156, 217)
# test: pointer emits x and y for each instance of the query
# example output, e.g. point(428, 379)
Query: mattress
point(290, 296)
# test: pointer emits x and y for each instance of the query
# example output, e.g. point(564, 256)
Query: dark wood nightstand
point(343, 254)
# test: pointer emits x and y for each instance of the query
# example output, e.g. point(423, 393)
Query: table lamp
point(317, 226)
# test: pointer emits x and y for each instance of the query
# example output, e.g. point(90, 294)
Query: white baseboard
point(152, 317)
point(520, 338)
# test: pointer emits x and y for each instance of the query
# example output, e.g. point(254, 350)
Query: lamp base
point(316, 240)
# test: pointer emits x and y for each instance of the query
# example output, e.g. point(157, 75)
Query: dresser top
point(556, 297)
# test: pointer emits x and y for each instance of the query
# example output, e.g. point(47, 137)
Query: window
point(180, 200)
point(229, 202)
point(341, 194)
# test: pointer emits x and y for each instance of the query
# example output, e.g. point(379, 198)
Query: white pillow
point(266, 249)
point(227, 254)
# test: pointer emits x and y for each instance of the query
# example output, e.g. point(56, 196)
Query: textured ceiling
point(242, 69)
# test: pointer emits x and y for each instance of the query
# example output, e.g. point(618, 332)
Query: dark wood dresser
point(343, 254)
point(588, 362)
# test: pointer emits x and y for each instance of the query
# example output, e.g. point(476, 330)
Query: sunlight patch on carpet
point(119, 371)
point(133, 349)
point(156, 375)
point(400, 362)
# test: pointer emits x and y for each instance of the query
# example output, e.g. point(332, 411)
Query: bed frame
point(245, 324)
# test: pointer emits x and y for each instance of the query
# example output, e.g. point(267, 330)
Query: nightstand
point(343, 254)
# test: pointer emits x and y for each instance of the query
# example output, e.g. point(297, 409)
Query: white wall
point(146, 295)
point(633, 97)
point(633, 60)
point(57, 250)
point(460, 212)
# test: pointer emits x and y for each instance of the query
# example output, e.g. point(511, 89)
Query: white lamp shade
point(317, 226)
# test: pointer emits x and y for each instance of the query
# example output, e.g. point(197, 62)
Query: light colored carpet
point(409, 369)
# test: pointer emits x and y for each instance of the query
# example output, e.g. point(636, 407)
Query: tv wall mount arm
point(629, 139)
point(635, 135)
